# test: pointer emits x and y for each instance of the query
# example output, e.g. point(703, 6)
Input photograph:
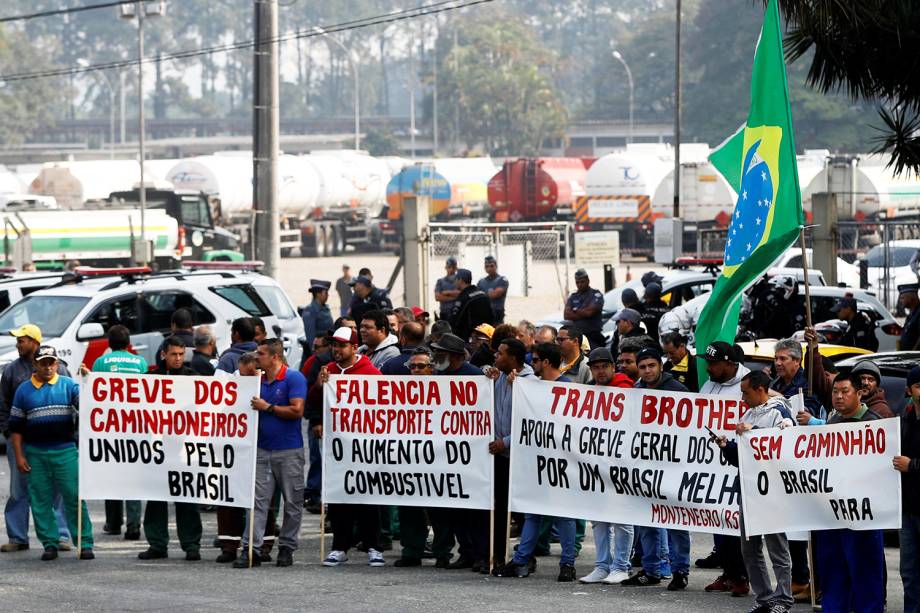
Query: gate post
point(415, 243)
point(824, 236)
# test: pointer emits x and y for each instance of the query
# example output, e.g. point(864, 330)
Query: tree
point(380, 141)
point(869, 50)
point(497, 79)
point(25, 105)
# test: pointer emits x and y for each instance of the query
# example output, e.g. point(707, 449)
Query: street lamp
point(354, 70)
point(84, 63)
point(618, 56)
point(142, 9)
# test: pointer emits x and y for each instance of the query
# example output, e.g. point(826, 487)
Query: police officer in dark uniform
point(910, 334)
point(584, 308)
point(367, 298)
point(317, 317)
point(471, 308)
point(653, 307)
point(860, 330)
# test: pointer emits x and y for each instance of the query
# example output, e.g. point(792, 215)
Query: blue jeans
point(910, 562)
point(314, 485)
point(654, 544)
point(679, 550)
point(16, 512)
point(618, 535)
point(530, 534)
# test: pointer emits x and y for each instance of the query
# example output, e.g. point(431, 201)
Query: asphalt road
point(117, 581)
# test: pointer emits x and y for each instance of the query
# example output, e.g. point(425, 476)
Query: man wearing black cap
point(653, 308)
point(445, 288)
point(627, 322)
point(317, 317)
point(910, 333)
point(860, 330)
point(471, 308)
point(584, 309)
point(495, 287)
point(367, 298)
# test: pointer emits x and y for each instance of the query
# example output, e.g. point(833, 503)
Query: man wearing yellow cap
point(16, 512)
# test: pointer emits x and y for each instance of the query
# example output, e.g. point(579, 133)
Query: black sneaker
point(226, 557)
point(87, 554)
point(133, 534)
point(51, 553)
point(152, 554)
point(461, 562)
point(265, 556)
point(496, 568)
point(285, 556)
point(442, 563)
point(478, 566)
point(313, 506)
point(407, 562)
point(640, 579)
point(532, 564)
point(511, 569)
point(192, 556)
point(243, 561)
point(216, 543)
point(566, 573)
point(710, 561)
point(112, 530)
point(678, 581)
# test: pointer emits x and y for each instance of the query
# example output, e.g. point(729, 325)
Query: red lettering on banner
point(149, 390)
point(558, 392)
point(766, 447)
point(96, 426)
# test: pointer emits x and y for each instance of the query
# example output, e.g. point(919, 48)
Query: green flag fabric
point(759, 162)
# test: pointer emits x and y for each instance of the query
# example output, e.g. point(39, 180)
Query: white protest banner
point(628, 456)
point(821, 477)
point(180, 439)
point(410, 441)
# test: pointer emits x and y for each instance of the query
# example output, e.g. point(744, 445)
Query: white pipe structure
point(618, 56)
point(354, 70)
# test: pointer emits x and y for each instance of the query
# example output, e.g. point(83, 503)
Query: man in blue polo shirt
point(280, 456)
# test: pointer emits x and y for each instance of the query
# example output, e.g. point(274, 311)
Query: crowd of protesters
point(468, 336)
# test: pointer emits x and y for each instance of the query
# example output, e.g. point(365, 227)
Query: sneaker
point(802, 595)
point(87, 554)
point(285, 556)
point(64, 545)
point(710, 561)
point(243, 562)
point(192, 556)
point(461, 562)
point(513, 570)
point(532, 565)
point(616, 577)
point(442, 563)
point(407, 562)
point(226, 557)
point(375, 558)
point(566, 573)
point(721, 584)
point(640, 579)
point(313, 506)
point(595, 576)
point(678, 582)
point(335, 558)
point(51, 553)
point(265, 557)
point(741, 588)
point(133, 534)
point(778, 608)
point(152, 554)
point(478, 566)
point(759, 608)
point(111, 530)
point(11, 547)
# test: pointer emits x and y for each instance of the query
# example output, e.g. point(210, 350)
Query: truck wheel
point(330, 241)
point(319, 249)
point(338, 240)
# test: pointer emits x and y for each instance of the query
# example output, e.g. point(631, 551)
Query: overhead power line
point(391, 17)
point(65, 11)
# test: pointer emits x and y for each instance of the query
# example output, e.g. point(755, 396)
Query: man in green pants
point(156, 515)
point(42, 426)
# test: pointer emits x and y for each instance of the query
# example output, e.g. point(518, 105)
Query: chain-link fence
point(536, 258)
point(883, 251)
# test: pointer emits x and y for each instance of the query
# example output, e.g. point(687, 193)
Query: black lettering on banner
point(458, 452)
point(126, 451)
point(214, 487)
point(567, 438)
point(206, 456)
point(553, 471)
point(537, 433)
point(417, 484)
point(851, 509)
point(763, 483)
point(589, 477)
point(337, 452)
point(699, 450)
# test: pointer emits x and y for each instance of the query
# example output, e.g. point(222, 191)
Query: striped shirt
point(43, 413)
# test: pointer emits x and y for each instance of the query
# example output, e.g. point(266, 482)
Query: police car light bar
point(222, 265)
point(690, 261)
point(88, 271)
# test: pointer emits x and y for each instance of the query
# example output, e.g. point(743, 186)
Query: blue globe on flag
point(749, 221)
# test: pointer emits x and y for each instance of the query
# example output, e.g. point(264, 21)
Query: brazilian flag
point(759, 162)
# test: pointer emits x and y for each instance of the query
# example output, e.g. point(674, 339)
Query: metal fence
point(536, 258)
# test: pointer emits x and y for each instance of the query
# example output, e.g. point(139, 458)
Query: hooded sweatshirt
point(732, 387)
point(388, 348)
point(775, 412)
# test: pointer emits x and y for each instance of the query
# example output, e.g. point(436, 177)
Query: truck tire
point(338, 234)
point(319, 249)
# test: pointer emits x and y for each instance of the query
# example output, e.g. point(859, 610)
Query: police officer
point(653, 308)
point(472, 307)
point(496, 288)
point(446, 290)
point(584, 308)
point(367, 298)
point(910, 335)
point(317, 317)
point(861, 330)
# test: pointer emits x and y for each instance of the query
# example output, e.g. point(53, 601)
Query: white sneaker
point(336, 558)
point(375, 558)
point(616, 577)
point(596, 576)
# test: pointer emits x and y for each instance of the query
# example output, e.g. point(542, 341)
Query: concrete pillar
point(824, 236)
point(415, 251)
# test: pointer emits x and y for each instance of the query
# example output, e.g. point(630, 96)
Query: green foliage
point(380, 141)
point(24, 105)
point(497, 80)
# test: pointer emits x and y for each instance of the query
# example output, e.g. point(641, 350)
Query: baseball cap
point(362, 281)
point(30, 330)
point(46, 352)
point(648, 352)
point(465, 274)
point(913, 376)
point(651, 277)
point(417, 310)
point(451, 261)
point(719, 351)
point(485, 329)
point(629, 297)
point(846, 302)
point(346, 335)
point(653, 290)
point(628, 315)
point(490, 259)
point(601, 354)
point(581, 273)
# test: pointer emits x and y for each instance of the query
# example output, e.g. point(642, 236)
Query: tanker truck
point(537, 189)
point(327, 201)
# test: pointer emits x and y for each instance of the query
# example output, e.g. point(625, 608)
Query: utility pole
point(676, 212)
point(266, 231)
point(143, 257)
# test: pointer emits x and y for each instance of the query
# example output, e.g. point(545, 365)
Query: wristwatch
point(271, 409)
